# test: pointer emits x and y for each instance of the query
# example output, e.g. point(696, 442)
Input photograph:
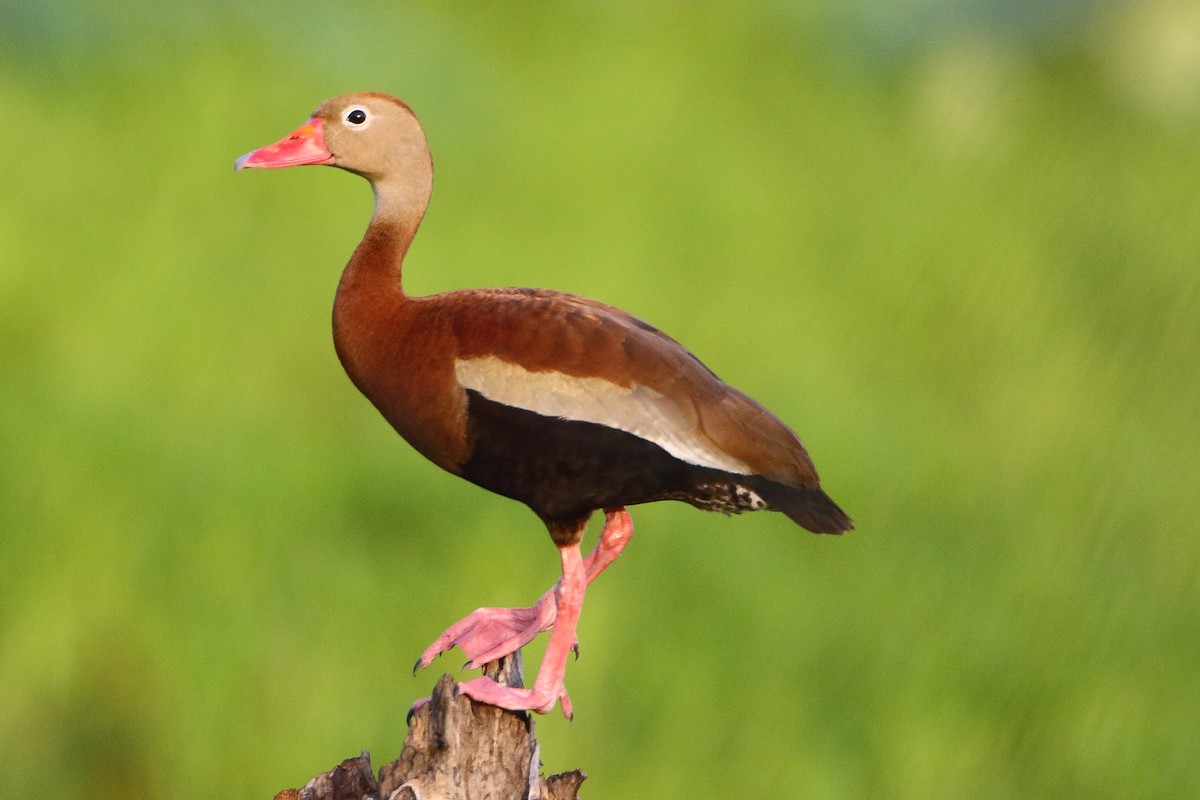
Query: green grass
point(961, 261)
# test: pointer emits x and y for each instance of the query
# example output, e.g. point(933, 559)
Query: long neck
point(370, 297)
point(376, 264)
point(377, 261)
point(380, 336)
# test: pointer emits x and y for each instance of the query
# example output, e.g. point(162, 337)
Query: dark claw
point(416, 667)
point(575, 650)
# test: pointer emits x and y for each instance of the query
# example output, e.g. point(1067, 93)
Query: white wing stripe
point(637, 409)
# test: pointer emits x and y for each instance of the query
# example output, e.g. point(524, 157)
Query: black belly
point(566, 469)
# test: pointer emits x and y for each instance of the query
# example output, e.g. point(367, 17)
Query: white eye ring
point(356, 118)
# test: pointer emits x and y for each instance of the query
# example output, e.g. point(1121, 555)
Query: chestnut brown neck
point(378, 259)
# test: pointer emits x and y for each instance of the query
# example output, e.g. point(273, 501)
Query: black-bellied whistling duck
point(563, 403)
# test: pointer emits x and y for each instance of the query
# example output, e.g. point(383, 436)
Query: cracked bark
point(456, 749)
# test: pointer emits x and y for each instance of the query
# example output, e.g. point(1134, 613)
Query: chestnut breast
point(558, 355)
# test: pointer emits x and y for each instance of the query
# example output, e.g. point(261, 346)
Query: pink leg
point(487, 634)
point(548, 687)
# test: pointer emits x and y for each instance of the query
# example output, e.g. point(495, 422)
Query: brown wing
point(577, 358)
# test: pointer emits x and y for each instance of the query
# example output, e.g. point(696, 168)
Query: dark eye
point(356, 117)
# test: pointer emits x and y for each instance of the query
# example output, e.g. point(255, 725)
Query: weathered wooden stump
point(456, 749)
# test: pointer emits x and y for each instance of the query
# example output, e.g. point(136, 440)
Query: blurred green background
point(954, 244)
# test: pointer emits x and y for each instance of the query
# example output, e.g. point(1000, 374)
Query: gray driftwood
point(456, 749)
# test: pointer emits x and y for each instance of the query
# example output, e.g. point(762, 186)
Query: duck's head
point(368, 133)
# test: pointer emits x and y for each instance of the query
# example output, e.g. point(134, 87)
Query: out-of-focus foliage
point(954, 244)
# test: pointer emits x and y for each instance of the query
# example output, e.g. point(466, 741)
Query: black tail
point(811, 509)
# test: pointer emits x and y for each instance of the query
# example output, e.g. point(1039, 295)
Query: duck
point(560, 402)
